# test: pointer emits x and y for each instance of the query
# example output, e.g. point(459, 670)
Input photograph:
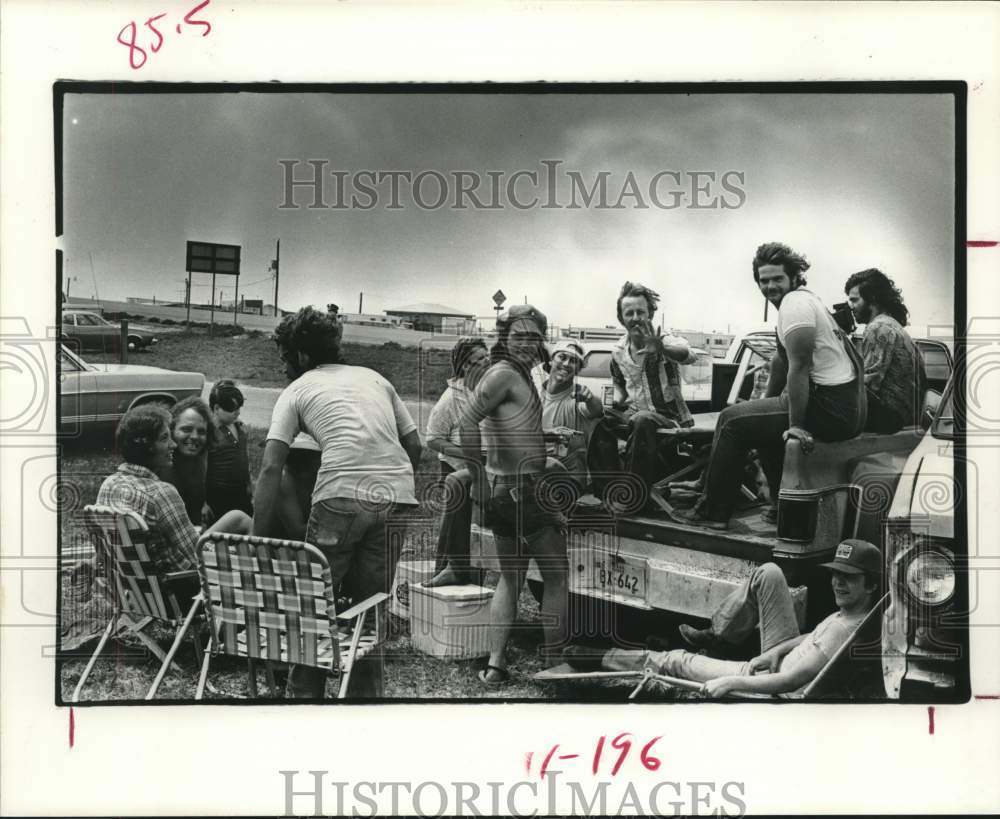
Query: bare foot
point(450, 576)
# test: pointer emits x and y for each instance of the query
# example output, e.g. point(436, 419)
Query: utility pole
point(277, 264)
point(361, 301)
point(187, 298)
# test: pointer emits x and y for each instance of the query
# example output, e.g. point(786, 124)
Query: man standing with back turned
point(524, 524)
point(370, 449)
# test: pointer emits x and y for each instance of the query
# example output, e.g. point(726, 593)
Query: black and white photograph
point(498, 409)
point(532, 393)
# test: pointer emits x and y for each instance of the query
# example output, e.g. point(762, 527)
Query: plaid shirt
point(134, 488)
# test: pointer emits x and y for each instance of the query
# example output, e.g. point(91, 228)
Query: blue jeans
point(351, 534)
point(831, 415)
point(763, 600)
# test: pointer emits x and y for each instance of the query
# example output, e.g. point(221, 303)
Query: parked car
point(924, 639)
point(596, 375)
point(91, 394)
point(86, 330)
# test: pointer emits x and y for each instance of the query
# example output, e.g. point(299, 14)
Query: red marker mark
point(72, 726)
point(527, 761)
point(930, 720)
point(987, 697)
point(980, 243)
point(548, 759)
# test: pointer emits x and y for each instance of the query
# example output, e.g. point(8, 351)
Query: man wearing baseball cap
point(524, 525)
point(788, 661)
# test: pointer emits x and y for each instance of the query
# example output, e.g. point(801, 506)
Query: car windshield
point(597, 364)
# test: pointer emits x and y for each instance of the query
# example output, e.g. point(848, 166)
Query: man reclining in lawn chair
point(788, 661)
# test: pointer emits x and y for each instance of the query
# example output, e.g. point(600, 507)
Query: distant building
point(372, 320)
point(606, 333)
point(717, 344)
point(435, 318)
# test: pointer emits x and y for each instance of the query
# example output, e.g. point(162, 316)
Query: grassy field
point(252, 359)
point(127, 669)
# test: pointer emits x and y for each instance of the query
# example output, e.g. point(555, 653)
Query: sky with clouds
point(852, 181)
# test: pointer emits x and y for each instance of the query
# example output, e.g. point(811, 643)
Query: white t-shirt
point(830, 364)
point(445, 419)
point(357, 418)
point(825, 639)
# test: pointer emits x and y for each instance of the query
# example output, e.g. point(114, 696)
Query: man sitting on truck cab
point(895, 379)
point(812, 391)
point(788, 661)
point(647, 382)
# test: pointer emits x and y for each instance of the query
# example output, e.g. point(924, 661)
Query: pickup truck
point(637, 564)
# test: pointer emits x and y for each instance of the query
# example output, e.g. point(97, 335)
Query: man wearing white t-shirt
point(788, 661)
point(812, 391)
point(369, 452)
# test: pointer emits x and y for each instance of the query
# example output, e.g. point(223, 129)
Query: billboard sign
point(207, 257)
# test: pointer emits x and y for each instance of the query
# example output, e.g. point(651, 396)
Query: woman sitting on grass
point(144, 441)
point(190, 422)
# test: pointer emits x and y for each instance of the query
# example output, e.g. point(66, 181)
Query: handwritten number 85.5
point(137, 54)
point(624, 745)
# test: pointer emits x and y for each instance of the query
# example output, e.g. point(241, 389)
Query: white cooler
point(450, 622)
point(407, 573)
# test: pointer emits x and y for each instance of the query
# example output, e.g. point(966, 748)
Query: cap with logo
point(855, 556)
point(523, 311)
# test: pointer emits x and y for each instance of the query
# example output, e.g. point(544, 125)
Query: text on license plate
point(623, 577)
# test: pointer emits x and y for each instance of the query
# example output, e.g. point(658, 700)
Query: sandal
point(502, 676)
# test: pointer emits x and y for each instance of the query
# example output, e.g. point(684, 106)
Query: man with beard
point(647, 384)
point(524, 524)
point(369, 452)
point(895, 379)
point(813, 373)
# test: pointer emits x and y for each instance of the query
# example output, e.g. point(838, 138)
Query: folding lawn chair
point(273, 600)
point(843, 674)
point(123, 544)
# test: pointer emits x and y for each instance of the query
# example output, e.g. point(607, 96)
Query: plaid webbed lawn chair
point(140, 594)
point(273, 600)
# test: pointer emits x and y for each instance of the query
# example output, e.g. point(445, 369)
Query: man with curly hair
point(370, 449)
point(895, 379)
point(812, 391)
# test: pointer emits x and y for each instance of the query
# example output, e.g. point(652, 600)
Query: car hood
point(926, 491)
point(140, 369)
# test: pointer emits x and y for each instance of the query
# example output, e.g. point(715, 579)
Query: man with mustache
point(895, 378)
point(812, 391)
point(647, 383)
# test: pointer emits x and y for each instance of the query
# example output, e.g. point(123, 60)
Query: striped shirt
point(650, 382)
point(135, 488)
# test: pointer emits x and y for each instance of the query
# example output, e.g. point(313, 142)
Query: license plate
point(621, 575)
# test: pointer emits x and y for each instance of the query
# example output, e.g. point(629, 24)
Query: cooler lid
point(453, 593)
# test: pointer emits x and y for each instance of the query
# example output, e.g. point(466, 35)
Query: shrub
point(168, 321)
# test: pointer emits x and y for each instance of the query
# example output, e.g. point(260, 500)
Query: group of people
point(342, 451)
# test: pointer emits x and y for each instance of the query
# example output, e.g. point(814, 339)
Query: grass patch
point(252, 358)
point(126, 670)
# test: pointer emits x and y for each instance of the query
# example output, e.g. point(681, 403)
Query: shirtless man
point(506, 403)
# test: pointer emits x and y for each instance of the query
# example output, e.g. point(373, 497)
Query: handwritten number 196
point(624, 745)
